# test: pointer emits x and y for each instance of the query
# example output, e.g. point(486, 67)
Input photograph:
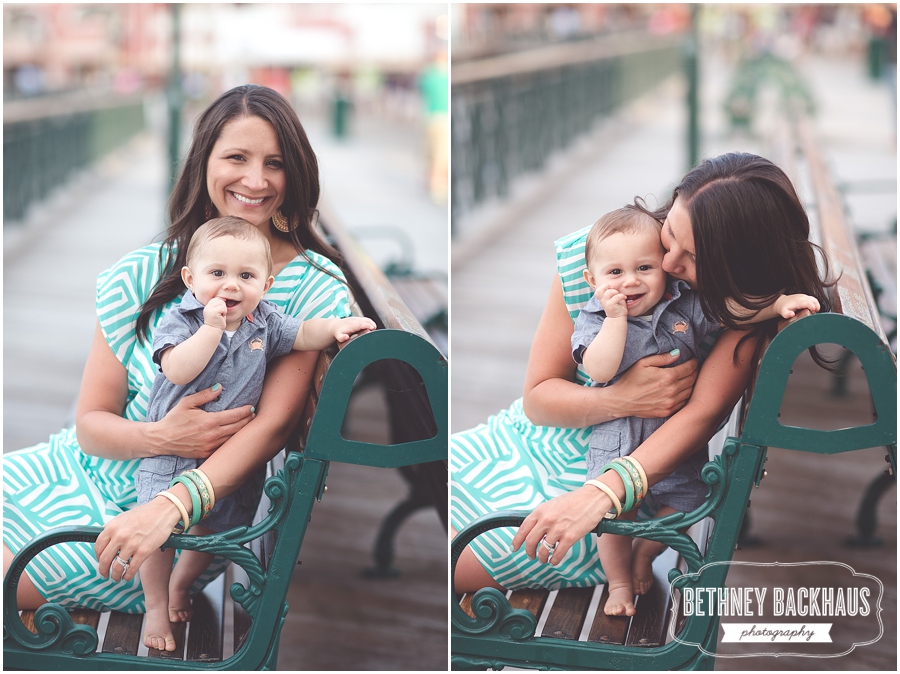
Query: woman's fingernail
point(252, 410)
point(216, 387)
point(674, 352)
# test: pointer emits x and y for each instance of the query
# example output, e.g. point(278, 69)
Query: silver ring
point(550, 548)
point(122, 562)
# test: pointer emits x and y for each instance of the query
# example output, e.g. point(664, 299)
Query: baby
point(221, 334)
point(637, 311)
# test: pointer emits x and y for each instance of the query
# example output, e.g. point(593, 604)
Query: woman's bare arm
point(570, 517)
point(648, 389)
point(186, 430)
point(184, 362)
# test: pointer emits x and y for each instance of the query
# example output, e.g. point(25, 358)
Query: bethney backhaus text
point(792, 602)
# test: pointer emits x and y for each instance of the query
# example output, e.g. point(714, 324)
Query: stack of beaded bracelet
point(633, 477)
point(203, 498)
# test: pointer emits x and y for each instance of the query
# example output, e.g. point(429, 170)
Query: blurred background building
point(345, 67)
point(531, 79)
point(99, 101)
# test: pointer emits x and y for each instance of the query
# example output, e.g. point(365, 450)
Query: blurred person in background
point(434, 85)
point(250, 158)
point(890, 69)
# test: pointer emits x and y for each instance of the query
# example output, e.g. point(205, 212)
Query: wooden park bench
point(413, 371)
point(566, 629)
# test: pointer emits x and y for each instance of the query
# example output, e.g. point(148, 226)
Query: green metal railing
point(511, 112)
point(45, 141)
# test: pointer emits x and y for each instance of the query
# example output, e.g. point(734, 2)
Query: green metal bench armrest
point(53, 623)
point(325, 441)
point(58, 633)
point(762, 426)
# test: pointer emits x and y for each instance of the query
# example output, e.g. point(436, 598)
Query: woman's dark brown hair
point(190, 205)
point(751, 235)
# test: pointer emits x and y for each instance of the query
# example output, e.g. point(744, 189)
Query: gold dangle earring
point(282, 224)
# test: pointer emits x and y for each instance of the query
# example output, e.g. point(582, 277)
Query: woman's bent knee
point(471, 575)
point(27, 596)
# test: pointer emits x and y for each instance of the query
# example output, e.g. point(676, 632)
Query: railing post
point(691, 66)
point(174, 96)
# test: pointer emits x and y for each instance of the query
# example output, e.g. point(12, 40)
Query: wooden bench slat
point(466, 604)
point(207, 627)
point(28, 620)
point(532, 600)
point(82, 616)
point(123, 633)
point(568, 613)
point(608, 629)
point(86, 616)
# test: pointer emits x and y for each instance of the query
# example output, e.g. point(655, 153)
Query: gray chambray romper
point(239, 365)
point(677, 322)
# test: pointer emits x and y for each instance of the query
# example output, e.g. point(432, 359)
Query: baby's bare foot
point(179, 606)
point(619, 600)
point(158, 631)
point(642, 572)
point(642, 567)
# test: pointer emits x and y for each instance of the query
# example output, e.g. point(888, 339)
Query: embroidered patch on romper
point(256, 344)
point(679, 327)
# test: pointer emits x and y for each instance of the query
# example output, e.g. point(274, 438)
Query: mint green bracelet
point(196, 507)
point(626, 480)
point(635, 480)
point(205, 499)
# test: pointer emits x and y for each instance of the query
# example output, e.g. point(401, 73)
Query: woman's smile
point(247, 200)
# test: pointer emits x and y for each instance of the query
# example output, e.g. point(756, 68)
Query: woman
point(734, 228)
point(249, 158)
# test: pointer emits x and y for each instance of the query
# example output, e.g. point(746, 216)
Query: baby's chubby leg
point(643, 553)
point(615, 557)
point(190, 565)
point(154, 575)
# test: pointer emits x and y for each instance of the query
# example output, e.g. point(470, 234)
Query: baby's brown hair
point(626, 220)
point(230, 225)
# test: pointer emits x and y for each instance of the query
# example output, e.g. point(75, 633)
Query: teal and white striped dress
point(56, 484)
point(508, 463)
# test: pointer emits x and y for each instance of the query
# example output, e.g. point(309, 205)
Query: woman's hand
point(185, 431)
point(564, 520)
point(649, 389)
point(133, 536)
point(194, 433)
